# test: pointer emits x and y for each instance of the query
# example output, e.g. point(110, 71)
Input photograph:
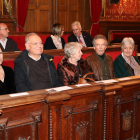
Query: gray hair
point(76, 23)
point(27, 37)
point(99, 36)
point(70, 48)
point(127, 40)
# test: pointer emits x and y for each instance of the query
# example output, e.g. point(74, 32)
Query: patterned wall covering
point(124, 10)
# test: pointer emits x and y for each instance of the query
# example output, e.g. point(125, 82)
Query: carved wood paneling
point(9, 128)
point(55, 121)
point(125, 116)
point(24, 123)
point(80, 121)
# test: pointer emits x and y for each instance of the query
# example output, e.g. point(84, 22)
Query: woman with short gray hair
point(126, 64)
point(72, 66)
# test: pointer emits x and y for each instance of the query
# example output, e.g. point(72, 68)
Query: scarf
point(57, 43)
point(132, 62)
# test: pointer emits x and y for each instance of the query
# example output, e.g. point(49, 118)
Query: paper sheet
point(19, 94)
point(80, 85)
point(123, 79)
point(107, 81)
point(59, 89)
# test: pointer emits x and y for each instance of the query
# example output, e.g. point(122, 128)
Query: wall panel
point(63, 18)
point(30, 24)
point(44, 20)
point(59, 11)
point(74, 16)
point(42, 15)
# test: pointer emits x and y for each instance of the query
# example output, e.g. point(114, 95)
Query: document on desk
point(80, 85)
point(19, 94)
point(106, 81)
point(59, 89)
point(123, 79)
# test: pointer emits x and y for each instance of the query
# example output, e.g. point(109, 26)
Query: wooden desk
point(74, 114)
point(98, 111)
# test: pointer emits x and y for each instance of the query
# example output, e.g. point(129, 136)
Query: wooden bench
point(120, 34)
point(19, 37)
point(114, 51)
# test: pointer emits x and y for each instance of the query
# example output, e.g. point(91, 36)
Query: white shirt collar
point(3, 43)
point(34, 58)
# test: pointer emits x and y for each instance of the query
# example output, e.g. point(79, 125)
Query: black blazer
point(9, 83)
point(87, 38)
point(50, 45)
point(11, 45)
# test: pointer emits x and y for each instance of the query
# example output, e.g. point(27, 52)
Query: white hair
point(76, 23)
point(127, 40)
point(70, 48)
point(27, 38)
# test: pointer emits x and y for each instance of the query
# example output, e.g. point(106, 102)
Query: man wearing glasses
point(6, 43)
point(34, 70)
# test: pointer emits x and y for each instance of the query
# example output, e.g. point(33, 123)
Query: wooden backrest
point(19, 37)
point(113, 51)
point(120, 34)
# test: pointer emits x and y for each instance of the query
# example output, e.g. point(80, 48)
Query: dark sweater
point(120, 67)
point(38, 74)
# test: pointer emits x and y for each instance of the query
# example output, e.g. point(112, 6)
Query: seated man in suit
point(78, 36)
point(100, 63)
point(33, 69)
point(6, 43)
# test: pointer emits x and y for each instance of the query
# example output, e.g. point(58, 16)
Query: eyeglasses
point(37, 43)
point(4, 29)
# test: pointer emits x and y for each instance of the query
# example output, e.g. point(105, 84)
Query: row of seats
point(58, 55)
point(116, 35)
point(20, 38)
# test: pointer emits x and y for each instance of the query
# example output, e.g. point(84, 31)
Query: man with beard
point(100, 63)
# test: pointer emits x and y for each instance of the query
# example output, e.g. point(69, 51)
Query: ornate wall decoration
point(8, 8)
point(81, 128)
point(124, 10)
point(126, 120)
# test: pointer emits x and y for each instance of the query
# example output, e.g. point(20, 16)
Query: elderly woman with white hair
point(125, 64)
point(72, 66)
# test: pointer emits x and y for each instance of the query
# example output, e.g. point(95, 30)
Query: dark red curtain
point(22, 8)
point(95, 6)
